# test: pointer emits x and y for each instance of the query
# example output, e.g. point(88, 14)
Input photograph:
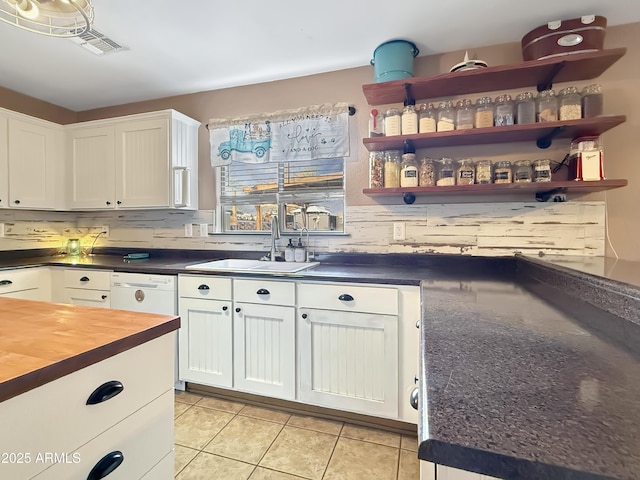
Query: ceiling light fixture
point(55, 18)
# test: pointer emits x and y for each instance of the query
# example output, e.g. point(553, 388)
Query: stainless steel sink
point(254, 266)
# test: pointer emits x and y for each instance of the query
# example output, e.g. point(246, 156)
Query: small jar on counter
point(570, 106)
point(392, 168)
point(525, 108)
point(547, 106)
point(409, 120)
point(446, 117)
point(592, 101)
point(409, 170)
point(464, 114)
point(393, 122)
point(483, 171)
point(484, 112)
point(446, 173)
point(376, 170)
point(502, 172)
point(466, 172)
point(522, 171)
point(503, 111)
point(427, 118)
point(542, 170)
point(427, 173)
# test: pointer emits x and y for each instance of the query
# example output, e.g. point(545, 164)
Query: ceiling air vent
point(97, 43)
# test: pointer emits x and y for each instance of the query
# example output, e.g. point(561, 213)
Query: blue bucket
point(393, 60)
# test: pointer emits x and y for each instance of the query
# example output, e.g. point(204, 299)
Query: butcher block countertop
point(41, 342)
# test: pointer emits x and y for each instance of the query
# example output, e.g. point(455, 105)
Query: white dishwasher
point(141, 292)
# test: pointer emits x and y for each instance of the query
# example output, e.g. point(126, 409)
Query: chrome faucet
point(307, 254)
point(275, 235)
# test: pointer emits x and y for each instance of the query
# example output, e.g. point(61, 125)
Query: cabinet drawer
point(143, 440)
point(88, 298)
point(85, 278)
point(17, 280)
point(145, 371)
point(204, 286)
point(264, 291)
point(348, 297)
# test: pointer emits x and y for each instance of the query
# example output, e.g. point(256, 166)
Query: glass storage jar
point(427, 173)
point(592, 101)
point(466, 172)
point(484, 112)
point(542, 170)
point(483, 171)
point(446, 117)
point(502, 172)
point(409, 170)
point(392, 168)
point(427, 118)
point(392, 122)
point(525, 108)
point(409, 120)
point(446, 172)
point(464, 114)
point(376, 170)
point(522, 171)
point(570, 106)
point(503, 111)
point(547, 106)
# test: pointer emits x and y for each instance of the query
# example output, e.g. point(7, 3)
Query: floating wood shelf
point(507, 134)
point(541, 73)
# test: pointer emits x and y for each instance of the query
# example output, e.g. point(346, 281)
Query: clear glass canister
point(409, 170)
point(592, 101)
point(446, 117)
point(484, 112)
point(503, 111)
point(376, 170)
point(542, 170)
point(547, 106)
point(409, 120)
point(466, 172)
point(392, 168)
point(427, 118)
point(483, 171)
point(446, 172)
point(525, 108)
point(502, 172)
point(570, 105)
point(522, 171)
point(427, 173)
point(392, 122)
point(465, 114)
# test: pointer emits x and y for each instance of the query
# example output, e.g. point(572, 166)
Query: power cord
point(94, 241)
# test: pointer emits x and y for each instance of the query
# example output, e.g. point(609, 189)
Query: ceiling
point(208, 45)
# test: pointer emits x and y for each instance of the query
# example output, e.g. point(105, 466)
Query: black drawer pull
point(225, 308)
point(345, 297)
point(104, 297)
point(238, 310)
point(203, 287)
point(263, 291)
point(304, 315)
point(104, 392)
point(84, 279)
point(5, 282)
point(106, 465)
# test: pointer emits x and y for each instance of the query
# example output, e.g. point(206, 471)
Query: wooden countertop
point(41, 341)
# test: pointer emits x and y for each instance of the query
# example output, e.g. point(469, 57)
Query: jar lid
point(503, 98)
point(446, 161)
point(595, 88)
point(569, 91)
point(465, 102)
point(547, 93)
point(426, 160)
point(484, 101)
point(523, 163)
point(447, 104)
point(465, 161)
point(483, 162)
point(542, 161)
point(503, 164)
point(392, 112)
point(525, 96)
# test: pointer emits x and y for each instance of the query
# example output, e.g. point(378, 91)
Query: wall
point(442, 224)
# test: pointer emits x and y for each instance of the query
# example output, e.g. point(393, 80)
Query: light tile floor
point(218, 439)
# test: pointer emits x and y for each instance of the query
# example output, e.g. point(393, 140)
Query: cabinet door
point(205, 342)
point(91, 168)
point(349, 360)
point(264, 349)
point(4, 165)
point(449, 473)
point(33, 153)
point(142, 164)
point(87, 298)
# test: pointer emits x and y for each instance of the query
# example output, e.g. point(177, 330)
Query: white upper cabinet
point(140, 161)
point(4, 165)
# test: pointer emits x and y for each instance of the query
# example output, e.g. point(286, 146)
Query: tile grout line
point(333, 451)
point(398, 464)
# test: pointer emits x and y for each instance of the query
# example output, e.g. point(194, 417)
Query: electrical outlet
point(105, 231)
point(188, 230)
point(1, 230)
point(204, 229)
point(399, 232)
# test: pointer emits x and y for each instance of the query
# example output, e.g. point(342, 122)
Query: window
point(303, 194)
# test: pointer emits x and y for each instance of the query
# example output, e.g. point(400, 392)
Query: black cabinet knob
point(345, 297)
point(106, 465)
point(304, 315)
point(105, 391)
point(84, 279)
point(108, 202)
point(225, 308)
point(119, 202)
point(238, 310)
point(16, 201)
point(203, 287)
point(104, 297)
point(263, 291)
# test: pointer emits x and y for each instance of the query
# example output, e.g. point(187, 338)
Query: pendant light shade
point(55, 18)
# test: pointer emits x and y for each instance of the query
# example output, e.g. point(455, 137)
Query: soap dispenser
point(300, 252)
point(289, 252)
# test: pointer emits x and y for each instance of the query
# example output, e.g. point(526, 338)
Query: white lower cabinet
point(90, 288)
point(24, 283)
